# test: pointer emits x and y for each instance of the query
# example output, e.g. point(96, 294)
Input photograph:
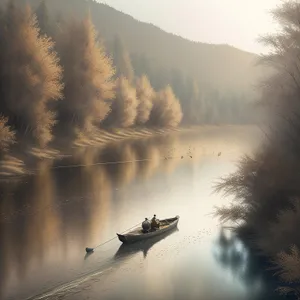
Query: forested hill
point(168, 56)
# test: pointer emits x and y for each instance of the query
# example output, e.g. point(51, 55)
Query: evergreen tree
point(124, 107)
point(43, 18)
point(144, 94)
point(88, 73)
point(161, 79)
point(178, 85)
point(200, 109)
point(59, 23)
point(166, 111)
point(186, 92)
point(137, 64)
point(122, 60)
point(193, 108)
point(211, 106)
point(30, 74)
point(142, 66)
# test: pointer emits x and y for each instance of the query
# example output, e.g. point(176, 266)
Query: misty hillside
point(219, 66)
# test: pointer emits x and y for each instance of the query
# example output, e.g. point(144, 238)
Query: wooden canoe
point(143, 246)
point(138, 235)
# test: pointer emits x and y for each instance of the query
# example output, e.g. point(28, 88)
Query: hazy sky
point(234, 22)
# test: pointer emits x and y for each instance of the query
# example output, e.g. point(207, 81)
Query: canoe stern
point(122, 238)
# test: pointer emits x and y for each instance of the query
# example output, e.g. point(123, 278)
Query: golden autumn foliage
point(30, 73)
point(145, 95)
point(75, 69)
point(7, 136)
point(166, 111)
point(124, 107)
point(88, 73)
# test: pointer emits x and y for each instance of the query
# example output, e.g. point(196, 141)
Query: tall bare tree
point(43, 18)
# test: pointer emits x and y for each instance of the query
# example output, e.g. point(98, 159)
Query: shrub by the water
point(266, 186)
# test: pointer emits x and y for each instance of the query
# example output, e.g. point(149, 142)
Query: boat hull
point(132, 238)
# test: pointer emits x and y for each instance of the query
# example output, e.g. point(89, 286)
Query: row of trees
point(200, 103)
point(266, 186)
point(69, 81)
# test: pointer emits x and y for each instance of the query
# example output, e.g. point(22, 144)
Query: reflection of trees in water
point(231, 254)
point(35, 236)
point(161, 151)
point(50, 213)
point(98, 183)
point(147, 150)
point(169, 151)
point(33, 226)
point(43, 227)
point(85, 156)
point(7, 253)
point(193, 279)
point(155, 152)
point(125, 171)
point(121, 174)
point(87, 189)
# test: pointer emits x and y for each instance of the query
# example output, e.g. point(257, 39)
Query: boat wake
point(71, 287)
point(85, 281)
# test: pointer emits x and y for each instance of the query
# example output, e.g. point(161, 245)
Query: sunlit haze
point(235, 22)
point(149, 149)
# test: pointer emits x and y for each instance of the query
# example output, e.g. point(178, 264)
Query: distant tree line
point(200, 103)
point(68, 81)
point(57, 76)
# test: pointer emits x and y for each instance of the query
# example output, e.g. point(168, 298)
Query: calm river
point(47, 220)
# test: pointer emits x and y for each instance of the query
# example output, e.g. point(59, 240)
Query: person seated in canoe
point(146, 225)
point(154, 223)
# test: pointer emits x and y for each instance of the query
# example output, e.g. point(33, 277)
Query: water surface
point(47, 220)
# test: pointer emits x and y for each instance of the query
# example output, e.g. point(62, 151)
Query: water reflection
point(125, 171)
point(242, 264)
point(150, 157)
point(48, 219)
point(31, 228)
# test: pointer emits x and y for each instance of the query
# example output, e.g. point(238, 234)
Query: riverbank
point(49, 219)
point(266, 211)
point(24, 159)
